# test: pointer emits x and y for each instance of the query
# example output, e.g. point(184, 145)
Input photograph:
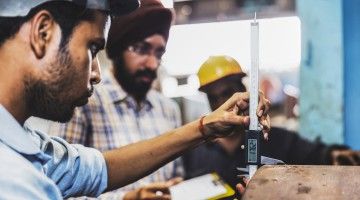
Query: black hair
point(66, 14)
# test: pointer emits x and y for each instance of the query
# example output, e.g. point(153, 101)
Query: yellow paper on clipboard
point(205, 187)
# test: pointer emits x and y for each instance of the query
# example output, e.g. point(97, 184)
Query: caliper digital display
point(252, 151)
point(252, 147)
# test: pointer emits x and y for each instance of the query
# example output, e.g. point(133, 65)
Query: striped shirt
point(113, 119)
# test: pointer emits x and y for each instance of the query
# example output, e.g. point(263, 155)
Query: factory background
point(309, 52)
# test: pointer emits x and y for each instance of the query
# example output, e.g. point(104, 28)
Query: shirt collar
point(13, 134)
point(118, 94)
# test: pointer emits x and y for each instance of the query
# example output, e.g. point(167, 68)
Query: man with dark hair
point(39, 78)
point(124, 109)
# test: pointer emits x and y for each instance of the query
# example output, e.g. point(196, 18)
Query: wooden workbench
point(298, 182)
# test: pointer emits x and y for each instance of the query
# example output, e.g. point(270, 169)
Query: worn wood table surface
point(304, 182)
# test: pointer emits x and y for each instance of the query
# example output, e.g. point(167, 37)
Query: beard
point(137, 84)
point(46, 97)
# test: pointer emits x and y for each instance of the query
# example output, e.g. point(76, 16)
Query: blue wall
point(321, 73)
point(351, 28)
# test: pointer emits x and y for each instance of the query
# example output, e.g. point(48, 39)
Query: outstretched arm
point(129, 163)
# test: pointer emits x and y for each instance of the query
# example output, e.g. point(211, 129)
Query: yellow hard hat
point(217, 67)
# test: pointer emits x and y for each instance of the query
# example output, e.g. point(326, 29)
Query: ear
point(42, 30)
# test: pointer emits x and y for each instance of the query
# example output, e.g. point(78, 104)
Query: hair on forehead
point(66, 14)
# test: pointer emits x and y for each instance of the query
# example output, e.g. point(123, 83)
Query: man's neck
point(139, 99)
point(13, 102)
point(12, 87)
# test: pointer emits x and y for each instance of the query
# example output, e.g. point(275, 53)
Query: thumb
point(234, 119)
point(174, 181)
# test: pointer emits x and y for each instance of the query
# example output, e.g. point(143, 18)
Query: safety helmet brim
point(204, 87)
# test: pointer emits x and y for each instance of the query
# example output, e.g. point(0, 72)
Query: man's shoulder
point(13, 163)
point(16, 172)
point(157, 97)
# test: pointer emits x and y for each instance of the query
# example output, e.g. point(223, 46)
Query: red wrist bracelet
point(201, 128)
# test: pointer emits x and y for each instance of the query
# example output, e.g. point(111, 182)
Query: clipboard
point(205, 187)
